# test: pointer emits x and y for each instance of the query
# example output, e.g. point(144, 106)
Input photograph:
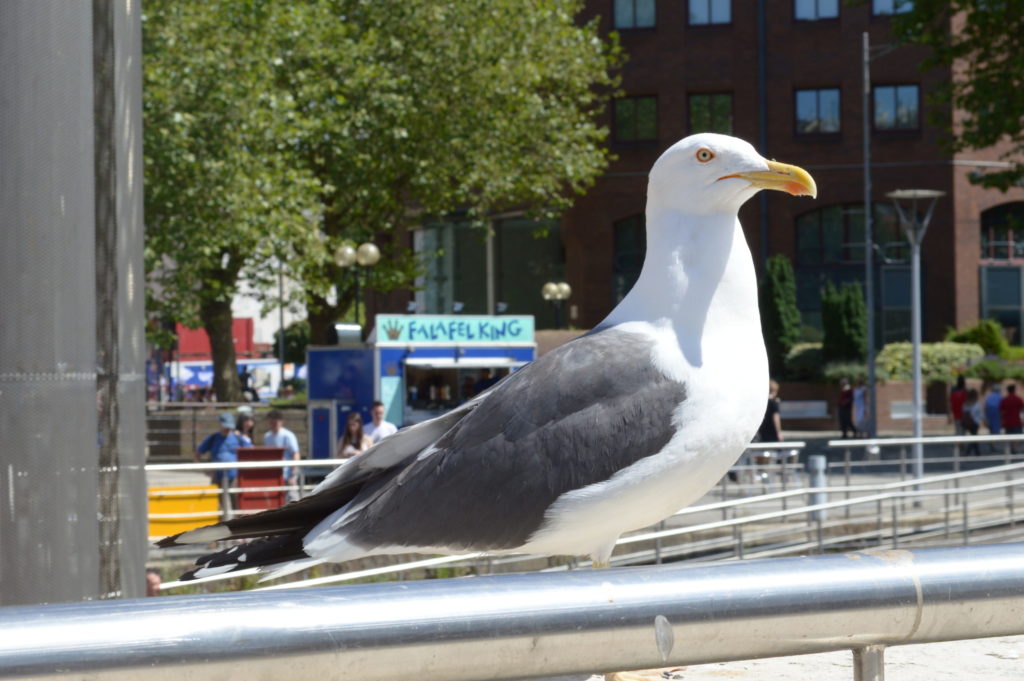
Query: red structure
point(260, 477)
point(195, 344)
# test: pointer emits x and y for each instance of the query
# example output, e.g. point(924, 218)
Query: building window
point(817, 111)
point(830, 247)
point(634, 13)
point(711, 113)
point(813, 10)
point(706, 12)
point(1002, 232)
point(881, 7)
point(629, 249)
point(636, 119)
point(896, 107)
point(1002, 299)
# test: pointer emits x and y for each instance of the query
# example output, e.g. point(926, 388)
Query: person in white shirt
point(279, 436)
point(378, 429)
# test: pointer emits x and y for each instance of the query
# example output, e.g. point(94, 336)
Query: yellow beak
point(783, 177)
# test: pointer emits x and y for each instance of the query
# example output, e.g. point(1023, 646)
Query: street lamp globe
point(564, 290)
point(368, 254)
point(345, 255)
point(549, 291)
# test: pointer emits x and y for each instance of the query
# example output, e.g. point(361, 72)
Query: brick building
point(786, 76)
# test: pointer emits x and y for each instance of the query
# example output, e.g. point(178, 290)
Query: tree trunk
point(322, 316)
point(216, 316)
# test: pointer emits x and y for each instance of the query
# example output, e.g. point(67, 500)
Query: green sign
point(455, 329)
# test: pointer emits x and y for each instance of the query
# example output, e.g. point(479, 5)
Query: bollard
point(817, 464)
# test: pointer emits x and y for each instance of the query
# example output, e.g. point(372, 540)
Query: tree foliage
point(988, 333)
point(980, 42)
point(282, 130)
point(296, 339)
point(780, 317)
point(844, 321)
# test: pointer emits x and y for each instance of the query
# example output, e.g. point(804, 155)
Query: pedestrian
point(845, 408)
point(992, 402)
point(971, 419)
point(957, 396)
point(246, 425)
point(771, 425)
point(279, 436)
point(378, 429)
point(860, 420)
point(222, 447)
point(1009, 411)
point(354, 440)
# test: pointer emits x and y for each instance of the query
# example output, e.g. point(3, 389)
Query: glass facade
point(634, 13)
point(711, 113)
point(830, 247)
point(527, 253)
point(813, 10)
point(630, 246)
point(706, 12)
point(817, 111)
point(636, 119)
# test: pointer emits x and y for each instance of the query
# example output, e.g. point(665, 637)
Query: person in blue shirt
point(222, 446)
point(279, 436)
point(992, 416)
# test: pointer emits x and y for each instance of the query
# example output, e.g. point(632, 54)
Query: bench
point(803, 409)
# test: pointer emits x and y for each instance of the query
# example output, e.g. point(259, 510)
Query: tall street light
point(557, 294)
point(915, 227)
point(364, 257)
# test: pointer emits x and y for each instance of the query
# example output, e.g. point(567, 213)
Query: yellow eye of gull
point(705, 155)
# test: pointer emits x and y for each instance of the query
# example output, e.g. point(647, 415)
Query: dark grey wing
point(570, 419)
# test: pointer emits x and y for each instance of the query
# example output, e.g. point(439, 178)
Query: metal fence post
point(869, 663)
point(816, 467)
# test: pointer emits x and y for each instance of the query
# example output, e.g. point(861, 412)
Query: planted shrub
point(939, 361)
point(780, 317)
point(987, 333)
point(844, 321)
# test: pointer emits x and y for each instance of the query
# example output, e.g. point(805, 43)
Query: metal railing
point(520, 626)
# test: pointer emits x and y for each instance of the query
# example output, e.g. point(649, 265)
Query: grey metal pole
point(817, 465)
point(533, 625)
point(869, 249)
point(915, 335)
point(869, 663)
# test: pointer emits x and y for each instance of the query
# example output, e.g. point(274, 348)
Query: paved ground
point(987, 659)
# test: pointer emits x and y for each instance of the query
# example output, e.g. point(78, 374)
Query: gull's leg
point(601, 560)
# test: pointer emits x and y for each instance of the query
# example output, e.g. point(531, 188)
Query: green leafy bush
point(939, 361)
point(995, 371)
point(844, 321)
point(780, 317)
point(804, 362)
point(987, 333)
point(1014, 353)
point(851, 371)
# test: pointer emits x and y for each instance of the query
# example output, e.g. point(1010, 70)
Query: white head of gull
point(611, 432)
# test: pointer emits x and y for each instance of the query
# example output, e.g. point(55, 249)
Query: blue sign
point(456, 329)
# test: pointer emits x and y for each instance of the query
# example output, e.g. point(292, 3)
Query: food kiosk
point(418, 366)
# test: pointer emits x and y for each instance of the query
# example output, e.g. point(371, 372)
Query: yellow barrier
point(177, 509)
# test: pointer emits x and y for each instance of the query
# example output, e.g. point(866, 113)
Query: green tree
point(280, 131)
point(223, 199)
point(988, 333)
point(844, 321)
point(780, 317)
point(979, 42)
point(296, 338)
point(418, 109)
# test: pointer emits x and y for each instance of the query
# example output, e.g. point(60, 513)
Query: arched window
point(630, 246)
point(830, 247)
point(1002, 232)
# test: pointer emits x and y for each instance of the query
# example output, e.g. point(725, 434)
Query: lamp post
point(557, 293)
point(915, 228)
point(365, 256)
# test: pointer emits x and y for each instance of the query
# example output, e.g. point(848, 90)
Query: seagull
point(611, 432)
